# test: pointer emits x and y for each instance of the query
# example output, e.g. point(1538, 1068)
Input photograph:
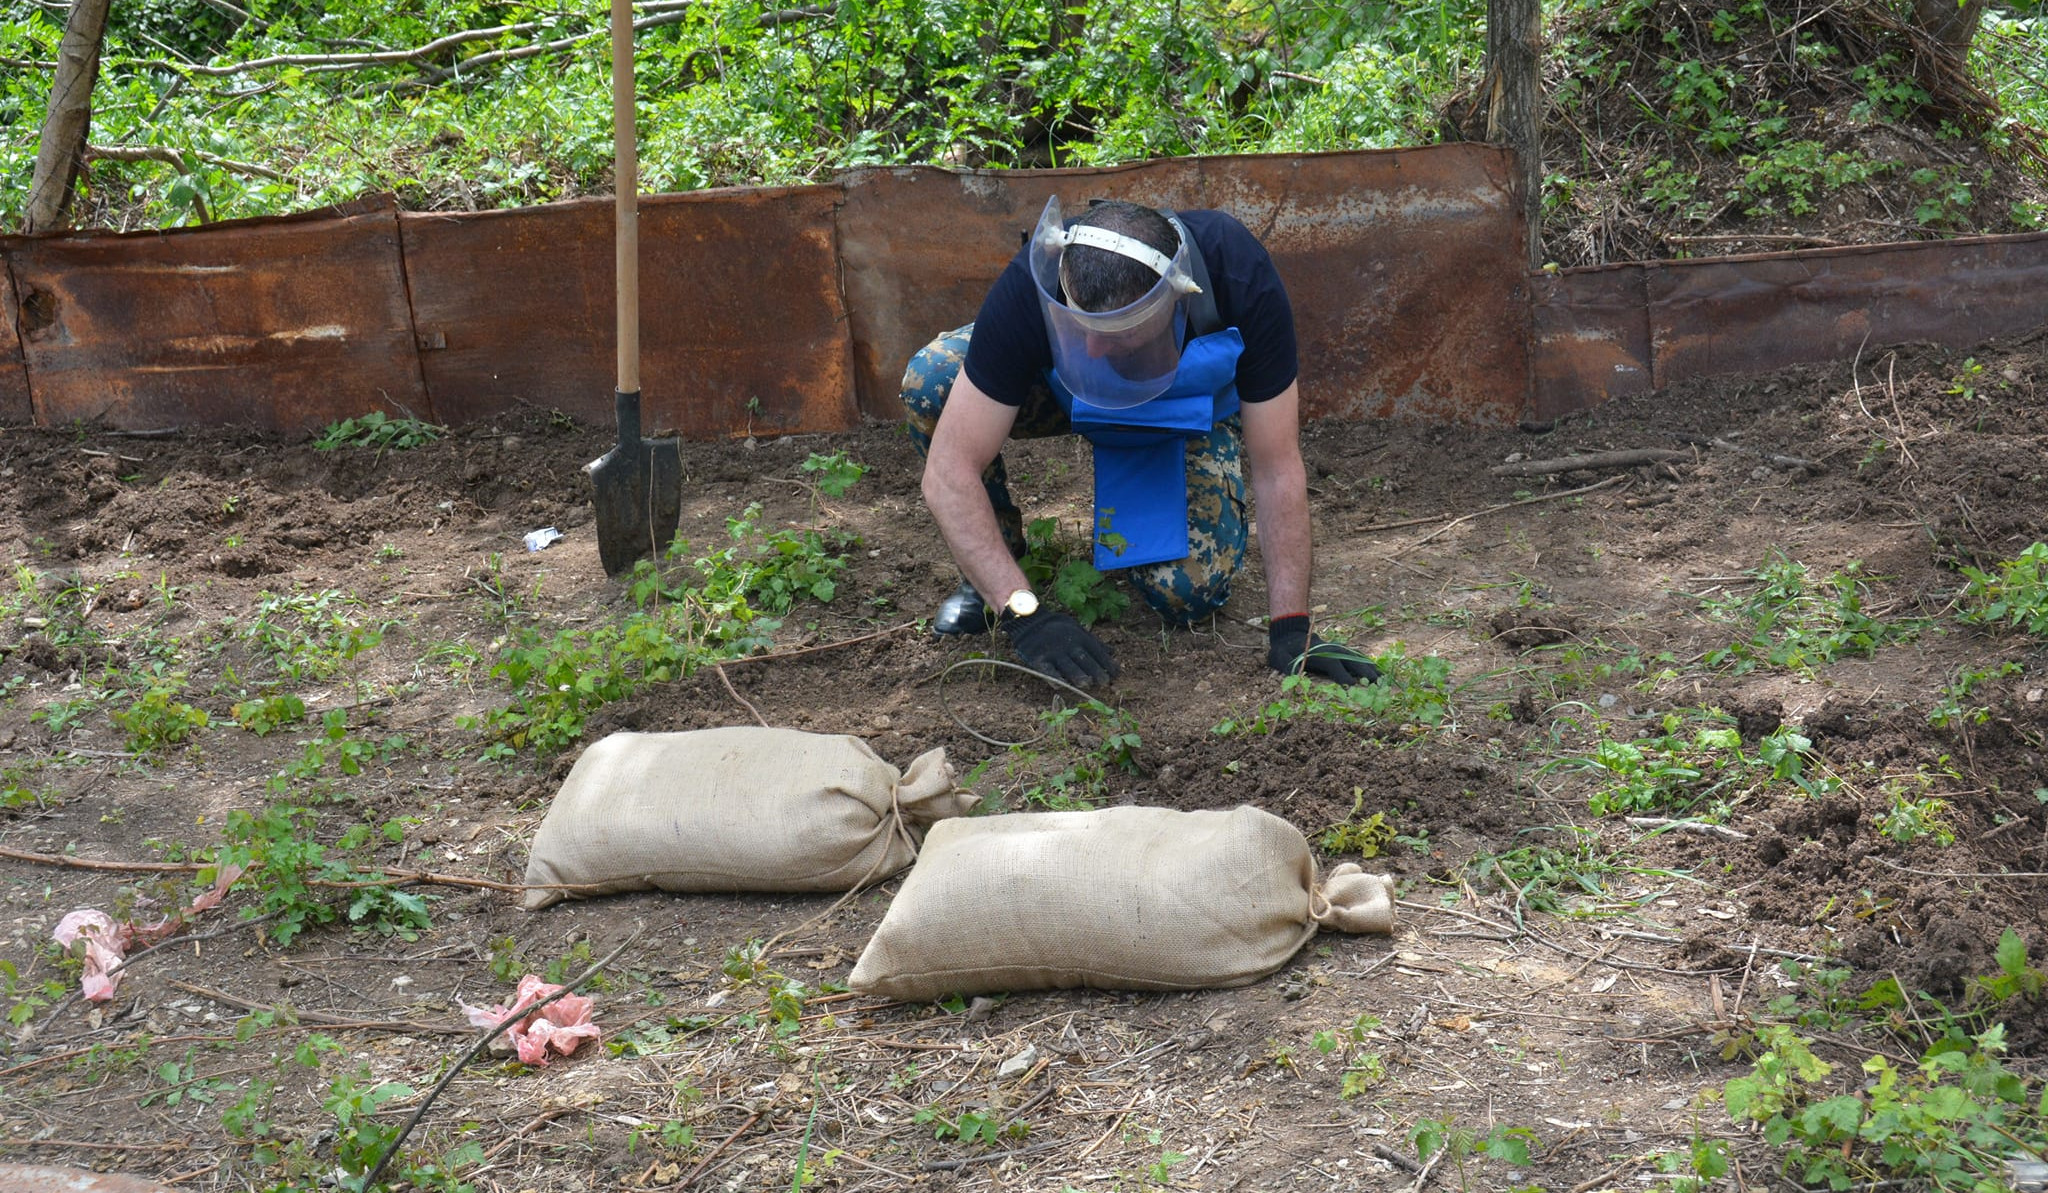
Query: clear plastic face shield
point(1112, 359)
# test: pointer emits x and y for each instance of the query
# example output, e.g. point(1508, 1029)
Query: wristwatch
point(1022, 603)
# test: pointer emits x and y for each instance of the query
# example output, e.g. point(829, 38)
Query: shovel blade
point(638, 494)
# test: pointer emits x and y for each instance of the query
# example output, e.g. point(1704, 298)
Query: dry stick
point(744, 1127)
point(985, 1157)
point(1960, 873)
point(176, 157)
point(1494, 509)
point(1688, 826)
point(772, 655)
point(483, 1041)
point(735, 694)
point(114, 1147)
point(1620, 459)
point(392, 877)
point(322, 1018)
point(1370, 527)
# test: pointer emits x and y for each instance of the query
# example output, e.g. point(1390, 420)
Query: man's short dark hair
point(1100, 280)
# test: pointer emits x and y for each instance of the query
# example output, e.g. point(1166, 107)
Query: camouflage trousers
point(1183, 590)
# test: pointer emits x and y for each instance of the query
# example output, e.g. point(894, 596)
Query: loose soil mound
point(1563, 622)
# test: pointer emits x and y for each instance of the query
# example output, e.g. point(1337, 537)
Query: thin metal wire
point(1003, 664)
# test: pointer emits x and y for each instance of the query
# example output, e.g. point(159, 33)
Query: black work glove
point(1053, 643)
point(1291, 649)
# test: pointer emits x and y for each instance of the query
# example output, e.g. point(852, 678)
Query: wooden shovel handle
point(626, 172)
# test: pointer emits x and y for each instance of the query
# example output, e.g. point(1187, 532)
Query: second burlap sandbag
point(1123, 898)
point(738, 809)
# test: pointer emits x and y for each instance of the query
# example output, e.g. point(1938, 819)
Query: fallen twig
point(1688, 826)
point(483, 1041)
point(1620, 459)
point(323, 1018)
point(1494, 509)
point(987, 1157)
point(1782, 461)
point(391, 877)
point(735, 694)
point(772, 655)
point(743, 1128)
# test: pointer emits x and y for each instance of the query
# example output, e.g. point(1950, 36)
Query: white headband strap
point(1121, 245)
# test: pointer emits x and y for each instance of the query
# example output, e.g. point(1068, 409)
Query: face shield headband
point(1111, 359)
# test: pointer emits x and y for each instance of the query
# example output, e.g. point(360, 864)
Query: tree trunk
point(1951, 25)
point(69, 117)
point(1514, 101)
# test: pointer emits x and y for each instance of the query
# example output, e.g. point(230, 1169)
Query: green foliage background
point(730, 92)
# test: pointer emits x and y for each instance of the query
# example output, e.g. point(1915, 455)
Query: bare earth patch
point(1589, 1012)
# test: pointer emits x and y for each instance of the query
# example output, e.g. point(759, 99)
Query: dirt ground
point(1592, 1024)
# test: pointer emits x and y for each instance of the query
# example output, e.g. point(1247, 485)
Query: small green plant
point(311, 635)
point(1949, 1119)
point(158, 720)
point(265, 714)
point(1794, 622)
point(1510, 1145)
point(2015, 979)
point(290, 871)
point(1412, 695)
point(25, 999)
point(1367, 837)
point(61, 716)
point(987, 1127)
point(834, 473)
point(2014, 593)
point(1086, 780)
point(1065, 575)
point(1363, 1069)
point(1953, 706)
point(379, 431)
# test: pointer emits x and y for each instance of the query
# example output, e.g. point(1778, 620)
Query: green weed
point(310, 635)
point(835, 473)
point(1790, 620)
point(378, 431)
point(1066, 575)
point(158, 720)
point(291, 873)
point(1411, 695)
point(266, 714)
point(2014, 593)
point(1507, 1144)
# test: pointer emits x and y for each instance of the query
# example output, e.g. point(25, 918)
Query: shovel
point(639, 483)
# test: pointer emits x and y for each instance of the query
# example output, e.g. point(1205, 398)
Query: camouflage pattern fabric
point(1182, 591)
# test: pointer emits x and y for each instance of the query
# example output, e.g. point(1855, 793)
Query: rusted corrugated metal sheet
point(15, 406)
point(1751, 314)
point(1404, 266)
point(741, 325)
point(285, 323)
point(1597, 329)
point(1590, 335)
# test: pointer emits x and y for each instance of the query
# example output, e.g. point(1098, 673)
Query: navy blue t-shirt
point(1010, 350)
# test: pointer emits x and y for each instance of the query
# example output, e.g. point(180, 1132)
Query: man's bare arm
point(1272, 437)
point(971, 431)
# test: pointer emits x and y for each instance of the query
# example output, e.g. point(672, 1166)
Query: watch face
point(1022, 603)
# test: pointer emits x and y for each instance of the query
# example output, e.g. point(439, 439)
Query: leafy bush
point(1063, 572)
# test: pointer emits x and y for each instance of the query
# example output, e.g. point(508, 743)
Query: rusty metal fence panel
point(741, 325)
point(1590, 335)
point(1404, 266)
point(1612, 331)
point(15, 405)
point(285, 323)
point(1752, 314)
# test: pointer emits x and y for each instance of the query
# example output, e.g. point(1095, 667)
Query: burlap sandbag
point(1123, 898)
point(738, 809)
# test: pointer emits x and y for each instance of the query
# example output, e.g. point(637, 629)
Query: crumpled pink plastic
point(107, 942)
point(562, 1025)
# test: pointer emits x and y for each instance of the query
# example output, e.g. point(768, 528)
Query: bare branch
point(180, 158)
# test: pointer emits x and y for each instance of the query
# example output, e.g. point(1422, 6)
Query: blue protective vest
point(1141, 475)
